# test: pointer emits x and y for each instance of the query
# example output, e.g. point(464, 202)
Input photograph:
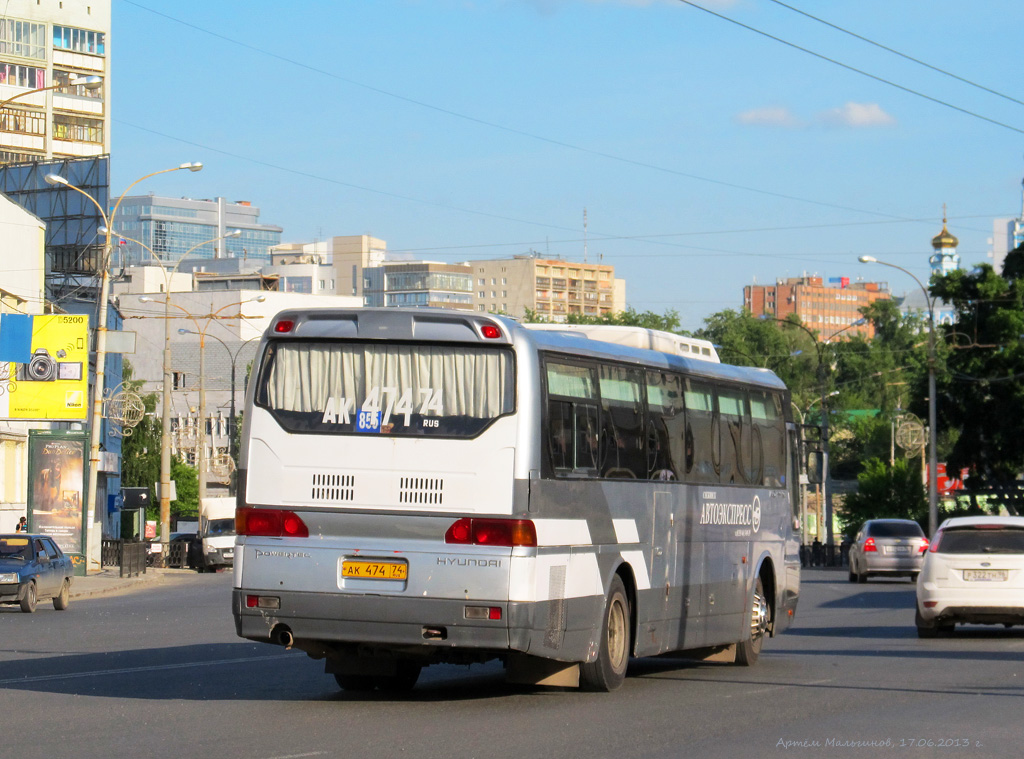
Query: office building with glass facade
point(176, 228)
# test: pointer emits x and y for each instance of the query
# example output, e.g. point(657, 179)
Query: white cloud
point(772, 115)
point(857, 115)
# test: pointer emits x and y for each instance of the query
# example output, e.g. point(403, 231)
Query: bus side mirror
point(815, 467)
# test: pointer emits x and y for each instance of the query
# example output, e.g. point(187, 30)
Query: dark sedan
point(32, 567)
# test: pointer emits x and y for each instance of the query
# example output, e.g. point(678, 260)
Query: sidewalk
point(109, 580)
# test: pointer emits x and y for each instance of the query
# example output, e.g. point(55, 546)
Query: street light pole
point(165, 435)
point(101, 338)
point(933, 490)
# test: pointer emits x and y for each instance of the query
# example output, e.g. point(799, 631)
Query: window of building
point(77, 128)
point(63, 79)
point(32, 77)
point(79, 40)
point(22, 122)
point(483, 280)
point(482, 294)
point(23, 38)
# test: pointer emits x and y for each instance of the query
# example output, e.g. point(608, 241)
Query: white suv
point(973, 573)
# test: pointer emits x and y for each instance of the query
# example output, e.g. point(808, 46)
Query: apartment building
point(419, 283)
point(554, 289)
point(54, 79)
point(828, 308)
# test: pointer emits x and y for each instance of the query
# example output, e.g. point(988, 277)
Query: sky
point(709, 147)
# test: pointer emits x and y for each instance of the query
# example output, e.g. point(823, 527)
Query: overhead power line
point(901, 55)
point(848, 67)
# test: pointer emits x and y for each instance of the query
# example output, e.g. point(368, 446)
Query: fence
point(129, 555)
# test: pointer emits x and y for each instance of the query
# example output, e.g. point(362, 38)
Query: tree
point(982, 393)
point(140, 450)
point(186, 480)
point(884, 492)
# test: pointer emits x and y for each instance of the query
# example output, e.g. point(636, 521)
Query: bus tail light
point(490, 332)
point(271, 523)
point(869, 545)
point(284, 325)
point(492, 532)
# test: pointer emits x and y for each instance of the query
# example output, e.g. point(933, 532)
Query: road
point(159, 673)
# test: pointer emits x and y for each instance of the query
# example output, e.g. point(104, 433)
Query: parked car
point(32, 567)
point(972, 574)
point(889, 547)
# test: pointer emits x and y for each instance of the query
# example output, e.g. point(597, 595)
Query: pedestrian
point(22, 525)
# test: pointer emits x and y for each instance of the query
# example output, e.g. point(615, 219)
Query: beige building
point(348, 255)
point(45, 45)
point(552, 288)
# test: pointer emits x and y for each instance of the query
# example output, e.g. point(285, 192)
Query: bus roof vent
point(422, 490)
point(333, 488)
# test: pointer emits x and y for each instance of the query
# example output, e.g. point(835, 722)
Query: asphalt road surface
point(159, 673)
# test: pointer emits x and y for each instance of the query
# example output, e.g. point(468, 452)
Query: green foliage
point(884, 492)
point(186, 479)
point(140, 451)
point(982, 393)
point(667, 322)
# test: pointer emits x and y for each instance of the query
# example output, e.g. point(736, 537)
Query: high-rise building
point(174, 227)
point(554, 289)
point(825, 308)
point(46, 45)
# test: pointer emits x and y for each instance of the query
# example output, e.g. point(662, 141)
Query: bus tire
point(748, 651)
point(404, 679)
point(354, 683)
point(607, 672)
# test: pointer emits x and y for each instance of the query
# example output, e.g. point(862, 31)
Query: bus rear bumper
point(439, 628)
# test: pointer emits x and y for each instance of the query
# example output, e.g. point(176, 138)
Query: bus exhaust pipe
point(282, 636)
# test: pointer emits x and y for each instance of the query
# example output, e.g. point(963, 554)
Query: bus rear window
point(386, 388)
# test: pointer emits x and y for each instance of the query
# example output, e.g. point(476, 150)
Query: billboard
point(56, 490)
point(44, 367)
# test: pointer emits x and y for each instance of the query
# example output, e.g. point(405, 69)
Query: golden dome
point(944, 239)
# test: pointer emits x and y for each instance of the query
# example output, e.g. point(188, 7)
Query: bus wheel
point(355, 683)
point(404, 679)
point(760, 615)
point(609, 670)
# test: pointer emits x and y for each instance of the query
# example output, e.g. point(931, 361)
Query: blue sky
point(706, 155)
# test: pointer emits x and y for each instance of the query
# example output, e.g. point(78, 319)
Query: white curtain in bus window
point(666, 427)
point(623, 450)
point(573, 429)
point(703, 445)
point(389, 389)
point(770, 429)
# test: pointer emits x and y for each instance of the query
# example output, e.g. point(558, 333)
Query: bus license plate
point(985, 575)
point(375, 570)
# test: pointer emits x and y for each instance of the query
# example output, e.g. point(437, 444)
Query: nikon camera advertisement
point(44, 367)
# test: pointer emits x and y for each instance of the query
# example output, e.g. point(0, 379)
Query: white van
point(217, 530)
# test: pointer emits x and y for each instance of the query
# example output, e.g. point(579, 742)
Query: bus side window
point(665, 427)
point(702, 446)
point(572, 419)
point(766, 412)
point(623, 445)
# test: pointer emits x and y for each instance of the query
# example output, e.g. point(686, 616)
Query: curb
point(110, 581)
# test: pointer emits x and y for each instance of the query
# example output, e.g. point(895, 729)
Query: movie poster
point(56, 496)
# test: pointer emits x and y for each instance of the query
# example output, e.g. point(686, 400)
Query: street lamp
point(101, 334)
point(210, 318)
point(89, 82)
point(165, 436)
point(933, 490)
point(233, 356)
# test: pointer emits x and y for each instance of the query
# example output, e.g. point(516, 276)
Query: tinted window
point(986, 540)
point(666, 435)
point(703, 446)
point(51, 549)
point(573, 419)
point(895, 530)
point(622, 446)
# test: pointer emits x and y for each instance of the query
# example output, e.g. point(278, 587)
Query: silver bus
point(421, 486)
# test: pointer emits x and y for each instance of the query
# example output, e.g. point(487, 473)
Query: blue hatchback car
point(33, 567)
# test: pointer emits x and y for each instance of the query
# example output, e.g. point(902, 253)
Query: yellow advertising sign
point(54, 383)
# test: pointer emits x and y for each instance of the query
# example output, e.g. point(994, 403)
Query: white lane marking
point(129, 670)
point(299, 756)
